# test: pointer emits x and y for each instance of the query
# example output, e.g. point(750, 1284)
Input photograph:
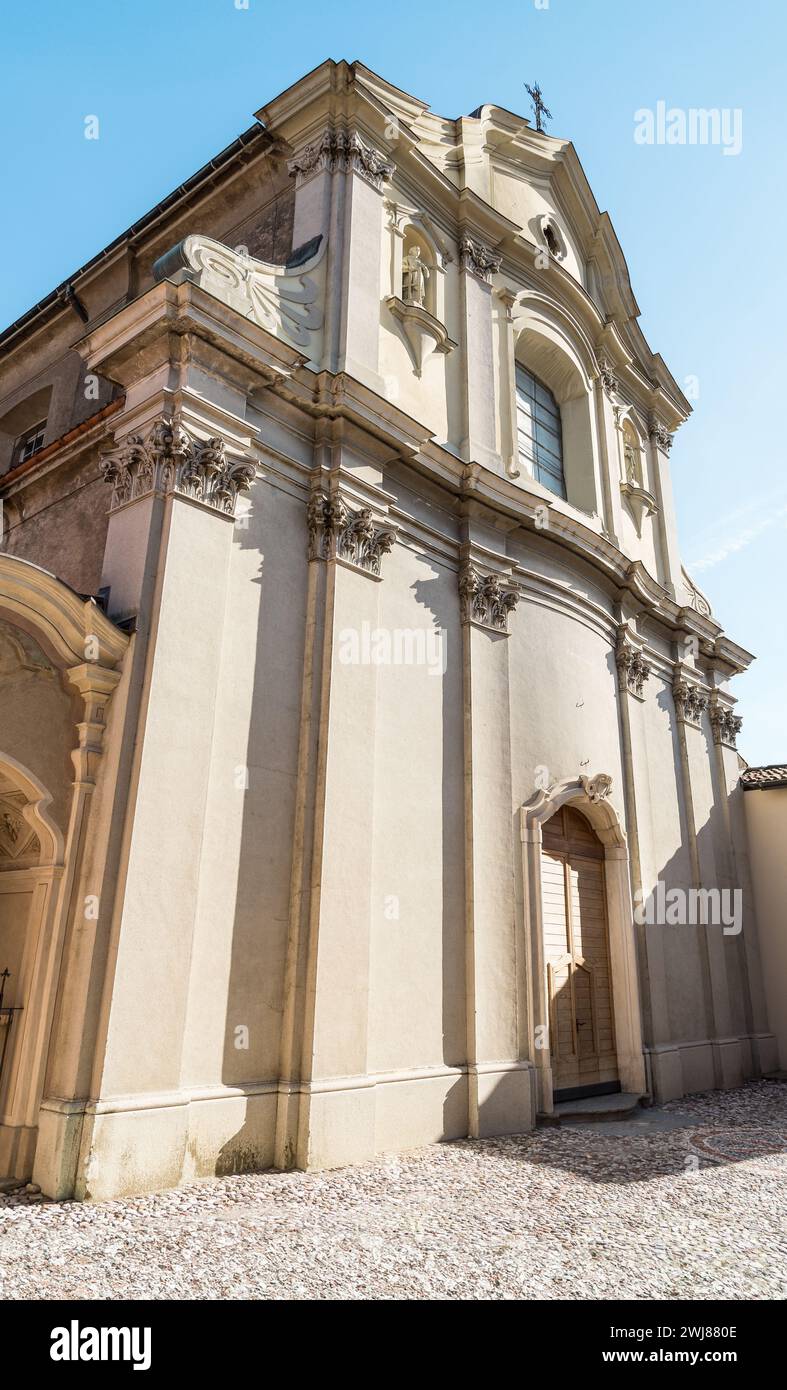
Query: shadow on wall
point(690, 955)
point(259, 929)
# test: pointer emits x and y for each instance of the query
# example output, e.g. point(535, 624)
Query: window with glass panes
point(30, 442)
point(540, 438)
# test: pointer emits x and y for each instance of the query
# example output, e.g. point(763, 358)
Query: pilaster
point(326, 1111)
point(478, 263)
point(500, 1094)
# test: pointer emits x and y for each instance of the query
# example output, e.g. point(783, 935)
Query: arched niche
point(554, 351)
point(632, 458)
point(410, 227)
point(589, 796)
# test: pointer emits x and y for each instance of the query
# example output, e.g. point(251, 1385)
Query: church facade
point(356, 707)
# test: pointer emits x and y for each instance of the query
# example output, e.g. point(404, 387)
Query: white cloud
point(729, 535)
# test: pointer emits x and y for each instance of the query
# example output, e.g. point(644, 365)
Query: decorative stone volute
point(597, 788)
point(286, 300)
point(484, 599)
point(168, 460)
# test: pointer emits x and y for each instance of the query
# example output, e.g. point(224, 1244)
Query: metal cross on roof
point(538, 105)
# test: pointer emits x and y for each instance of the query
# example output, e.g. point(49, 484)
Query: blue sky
point(174, 81)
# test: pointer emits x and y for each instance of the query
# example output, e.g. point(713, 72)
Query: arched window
point(539, 431)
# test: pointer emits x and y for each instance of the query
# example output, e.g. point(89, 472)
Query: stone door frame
point(589, 795)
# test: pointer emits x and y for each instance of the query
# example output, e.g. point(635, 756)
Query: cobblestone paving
point(563, 1213)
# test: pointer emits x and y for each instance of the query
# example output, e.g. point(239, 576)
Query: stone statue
point(415, 274)
point(631, 458)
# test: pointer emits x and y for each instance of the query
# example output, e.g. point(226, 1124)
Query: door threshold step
point(593, 1109)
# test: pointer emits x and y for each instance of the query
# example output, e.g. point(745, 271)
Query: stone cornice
point(257, 360)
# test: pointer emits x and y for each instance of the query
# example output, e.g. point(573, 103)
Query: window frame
point(545, 457)
point(34, 432)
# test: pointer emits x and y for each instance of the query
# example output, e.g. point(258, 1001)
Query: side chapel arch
point(39, 861)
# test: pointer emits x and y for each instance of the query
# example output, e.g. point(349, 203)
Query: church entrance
point(577, 958)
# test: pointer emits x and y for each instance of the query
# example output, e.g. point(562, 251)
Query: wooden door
point(576, 953)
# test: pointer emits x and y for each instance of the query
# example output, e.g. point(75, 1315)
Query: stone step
point(592, 1109)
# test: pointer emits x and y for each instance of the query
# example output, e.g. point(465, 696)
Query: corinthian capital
point(168, 460)
point(484, 599)
point(480, 260)
point(341, 151)
point(660, 434)
point(633, 669)
point(725, 724)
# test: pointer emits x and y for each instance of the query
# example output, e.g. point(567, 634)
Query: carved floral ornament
point(690, 701)
point(478, 259)
point(633, 669)
point(659, 434)
point(339, 532)
point(725, 724)
point(341, 151)
point(167, 460)
point(609, 381)
point(484, 600)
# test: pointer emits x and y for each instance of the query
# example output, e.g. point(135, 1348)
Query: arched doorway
point(577, 958)
point(590, 798)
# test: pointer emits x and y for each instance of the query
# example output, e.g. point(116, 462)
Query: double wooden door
point(576, 953)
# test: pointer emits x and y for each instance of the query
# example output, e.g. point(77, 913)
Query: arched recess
point(87, 649)
point(553, 347)
point(590, 796)
point(32, 852)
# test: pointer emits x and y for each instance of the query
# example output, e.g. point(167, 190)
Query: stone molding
point(690, 701)
point(478, 259)
point(167, 460)
point(485, 601)
point(726, 725)
point(633, 669)
point(659, 434)
point(341, 151)
point(340, 532)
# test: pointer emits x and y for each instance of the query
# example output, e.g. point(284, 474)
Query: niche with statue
point(417, 303)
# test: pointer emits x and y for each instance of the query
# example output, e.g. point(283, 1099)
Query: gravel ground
point(562, 1213)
